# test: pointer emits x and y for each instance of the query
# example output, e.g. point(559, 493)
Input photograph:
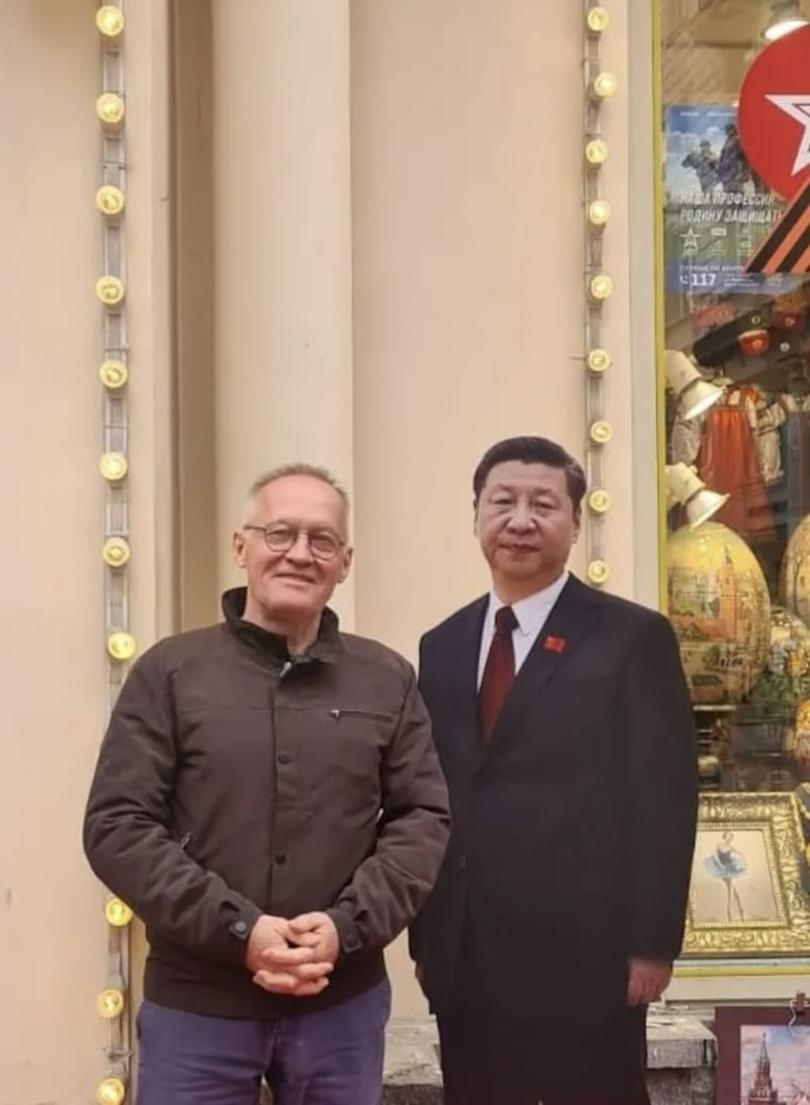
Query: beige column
point(468, 278)
point(52, 931)
point(53, 936)
point(468, 290)
point(282, 206)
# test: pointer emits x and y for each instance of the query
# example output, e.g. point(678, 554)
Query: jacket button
point(462, 861)
point(239, 928)
point(283, 758)
point(281, 858)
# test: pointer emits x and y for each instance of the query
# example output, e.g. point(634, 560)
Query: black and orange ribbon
point(787, 247)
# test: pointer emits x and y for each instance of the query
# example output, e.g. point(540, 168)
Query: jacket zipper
point(338, 714)
point(285, 669)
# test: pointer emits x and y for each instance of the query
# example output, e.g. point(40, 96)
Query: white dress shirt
point(531, 613)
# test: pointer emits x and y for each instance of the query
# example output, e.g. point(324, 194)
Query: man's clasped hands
point(293, 957)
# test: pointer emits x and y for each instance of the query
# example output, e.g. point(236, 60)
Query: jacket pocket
point(375, 715)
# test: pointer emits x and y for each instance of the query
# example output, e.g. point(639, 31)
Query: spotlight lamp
point(684, 486)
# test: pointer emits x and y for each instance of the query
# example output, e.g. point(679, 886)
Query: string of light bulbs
point(111, 1003)
point(600, 86)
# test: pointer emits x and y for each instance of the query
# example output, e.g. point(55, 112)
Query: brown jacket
point(234, 781)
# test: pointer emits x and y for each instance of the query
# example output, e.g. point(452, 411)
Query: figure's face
point(293, 586)
point(526, 523)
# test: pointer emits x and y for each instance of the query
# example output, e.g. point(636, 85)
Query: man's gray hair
point(300, 469)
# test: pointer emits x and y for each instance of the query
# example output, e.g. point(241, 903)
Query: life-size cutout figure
point(564, 728)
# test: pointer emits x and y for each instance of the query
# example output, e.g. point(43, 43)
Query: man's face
point(294, 585)
point(525, 522)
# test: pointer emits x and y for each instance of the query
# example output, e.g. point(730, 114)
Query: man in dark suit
point(565, 732)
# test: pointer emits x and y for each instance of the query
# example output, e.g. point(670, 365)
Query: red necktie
point(499, 672)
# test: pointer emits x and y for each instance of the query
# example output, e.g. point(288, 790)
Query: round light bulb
point(596, 152)
point(113, 374)
point(117, 913)
point(121, 645)
point(110, 1003)
point(599, 500)
point(110, 200)
point(111, 1091)
point(110, 109)
point(600, 287)
point(598, 360)
point(603, 86)
point(598, 572)
point(113, 466)
point(110, 290)
point(598, 213)
point(601, 432)
point(115, 552)
point(597, 20)
point(110, 20)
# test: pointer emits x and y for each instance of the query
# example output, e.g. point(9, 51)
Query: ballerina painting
point(732, 879)
point(728, 864)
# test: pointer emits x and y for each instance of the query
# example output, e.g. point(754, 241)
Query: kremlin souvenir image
point(774, 1065)
point(763, 1055)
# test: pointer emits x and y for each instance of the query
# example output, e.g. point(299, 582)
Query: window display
point(736, 216)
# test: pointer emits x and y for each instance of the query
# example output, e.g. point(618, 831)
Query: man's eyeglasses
point(280, 539)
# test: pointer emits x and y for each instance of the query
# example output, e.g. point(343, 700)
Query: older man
point(268, 800)
point(564, 727)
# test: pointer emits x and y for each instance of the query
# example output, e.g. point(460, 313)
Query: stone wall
point(681, 1059)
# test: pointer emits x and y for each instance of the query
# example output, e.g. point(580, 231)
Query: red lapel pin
point(554, 644)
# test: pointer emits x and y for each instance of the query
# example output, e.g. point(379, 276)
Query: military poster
point(717, 210)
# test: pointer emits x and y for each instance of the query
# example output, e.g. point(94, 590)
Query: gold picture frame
point(746, 896)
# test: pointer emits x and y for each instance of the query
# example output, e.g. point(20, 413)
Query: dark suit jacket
point(573, 827)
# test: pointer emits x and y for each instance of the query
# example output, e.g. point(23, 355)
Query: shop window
point(736, 329)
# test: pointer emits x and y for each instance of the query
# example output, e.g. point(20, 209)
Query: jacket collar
point(327, 647)
point(574, 614)
point(568, 624)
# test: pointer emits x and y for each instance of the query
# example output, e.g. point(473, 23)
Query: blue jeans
point(334, 1057)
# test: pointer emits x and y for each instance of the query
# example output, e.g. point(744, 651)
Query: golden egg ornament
point(790, 643)
point(721, 612)
point(795, 576)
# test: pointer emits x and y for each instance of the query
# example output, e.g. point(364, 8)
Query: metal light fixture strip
point(115, 440)
point(115, 413)
point(594, 382)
